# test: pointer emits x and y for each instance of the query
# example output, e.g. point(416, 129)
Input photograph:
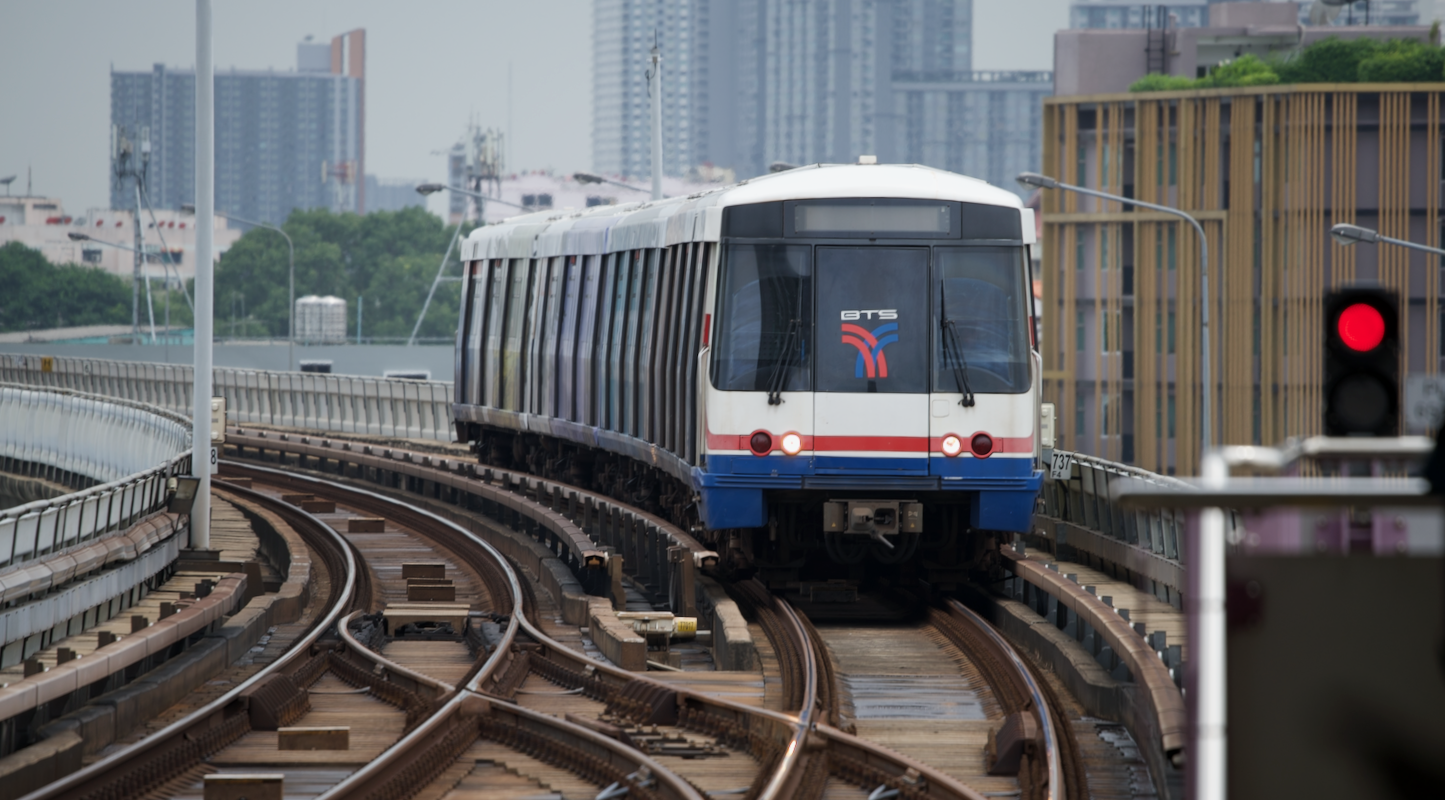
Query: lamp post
point(190, 208)
point(588, 177)
point(433, 188)
point(1045, 182)
point(1207, 556)
point(1346, 234)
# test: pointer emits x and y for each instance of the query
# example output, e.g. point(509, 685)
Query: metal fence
point(1082, 498)
point(128, 447)
point(403, 409)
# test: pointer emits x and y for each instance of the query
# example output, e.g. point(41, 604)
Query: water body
point(347, 359)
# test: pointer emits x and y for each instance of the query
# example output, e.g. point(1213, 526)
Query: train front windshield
point(892, 314)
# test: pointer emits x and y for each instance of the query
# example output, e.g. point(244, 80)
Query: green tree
point(387, 257)
point(39, 294)
point(1155, 82)
point(1247, 70)
point(1403, 61)
point(1332, 60)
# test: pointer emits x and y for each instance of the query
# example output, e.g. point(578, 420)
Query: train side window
point(567, 348)
point(677, 380)
point(662, 340)
point(622, 284)
point(645, 348)
point(587, 338)
point(694, 344)
point(641, 261)
point(476, 326)
point(763, 289)
point(550, 334)
point(536, 312)
point(600, 356)
point(666, 342)
point(512, 341)
point(491, 385)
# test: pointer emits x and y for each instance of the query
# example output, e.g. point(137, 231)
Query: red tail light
point(981, 444)
point(761, 443)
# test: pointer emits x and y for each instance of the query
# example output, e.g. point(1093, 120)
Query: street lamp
point(588, 177)
point(433, 188)
point(190, 208)
point(1346, 234)
point(1045, 182)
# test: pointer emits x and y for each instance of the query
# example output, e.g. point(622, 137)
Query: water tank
point(321, 320)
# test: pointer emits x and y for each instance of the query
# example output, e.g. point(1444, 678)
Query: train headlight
point(761, 443)
point(952, 445)
point(982, 445)
point(792, 444)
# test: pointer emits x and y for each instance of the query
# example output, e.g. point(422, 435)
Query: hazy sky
point(431, 66)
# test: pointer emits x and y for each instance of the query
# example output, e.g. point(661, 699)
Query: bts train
point(832, 364)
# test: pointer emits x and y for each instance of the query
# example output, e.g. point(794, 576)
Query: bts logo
point(871, 361)
point(882, 313)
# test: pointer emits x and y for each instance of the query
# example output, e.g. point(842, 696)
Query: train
point(831, 365)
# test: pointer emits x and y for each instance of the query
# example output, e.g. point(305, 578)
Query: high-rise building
point(1129, 14)
point(1266, 170)
point(284, 140)
point(1108, 14)
point(746, 83)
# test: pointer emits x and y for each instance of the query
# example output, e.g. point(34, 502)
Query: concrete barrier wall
point(402, 409)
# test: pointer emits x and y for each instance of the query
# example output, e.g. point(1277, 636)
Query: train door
point(870, 409)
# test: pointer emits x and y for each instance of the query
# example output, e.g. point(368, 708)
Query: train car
point(835, 360)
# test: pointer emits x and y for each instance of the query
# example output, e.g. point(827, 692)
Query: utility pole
point(654, 85)
point(127, 163)
point(205, 291)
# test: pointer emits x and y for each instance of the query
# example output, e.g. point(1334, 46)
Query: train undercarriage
point(905, 536)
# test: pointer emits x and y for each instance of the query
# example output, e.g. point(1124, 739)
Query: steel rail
point(1036, 695)
point(472, 696)
point(69, 785)
point(352, 645)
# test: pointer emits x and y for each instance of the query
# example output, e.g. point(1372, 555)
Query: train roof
point(698, 217)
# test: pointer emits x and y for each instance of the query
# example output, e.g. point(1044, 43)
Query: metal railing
point(1083, 499)
point(404, 409)
point(128, 448)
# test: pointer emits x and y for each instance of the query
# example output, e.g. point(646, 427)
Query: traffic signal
point(1362, 363)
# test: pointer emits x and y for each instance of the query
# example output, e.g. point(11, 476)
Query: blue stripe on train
point(733, 488)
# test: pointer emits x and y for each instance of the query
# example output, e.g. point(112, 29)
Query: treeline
point(1332, 60)
point(388, 258)
point(38, 294)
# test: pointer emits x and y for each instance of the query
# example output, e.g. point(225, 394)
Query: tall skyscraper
point(284, 140)
point(747, 83)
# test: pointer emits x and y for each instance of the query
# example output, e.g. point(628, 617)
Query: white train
point(834, 358)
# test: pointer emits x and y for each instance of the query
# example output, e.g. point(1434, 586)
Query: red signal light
point(1361, 327)
point(761, 443)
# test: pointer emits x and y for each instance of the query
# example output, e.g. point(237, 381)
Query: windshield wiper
point(779, 378)
point(952, 350)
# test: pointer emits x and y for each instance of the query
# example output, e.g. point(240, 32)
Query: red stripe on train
point(873, 444)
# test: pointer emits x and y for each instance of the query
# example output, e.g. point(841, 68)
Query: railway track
point(502, 703)
point(809, 683)
point(616, 730)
